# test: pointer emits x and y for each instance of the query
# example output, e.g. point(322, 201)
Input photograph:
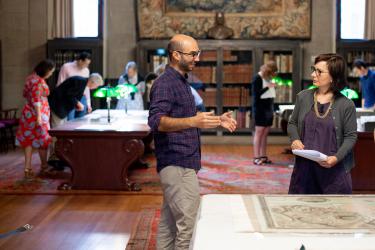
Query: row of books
point(232, 73)
point(237, 73)
point(211, 56)
point(284, 62)
point(236, 97)
point(242, 118)
point(367, 56)
point(232, 97)
point(207, 74)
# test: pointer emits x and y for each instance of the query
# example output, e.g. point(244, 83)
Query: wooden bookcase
point(226, 68)
point(62, 50)
point(352, 50)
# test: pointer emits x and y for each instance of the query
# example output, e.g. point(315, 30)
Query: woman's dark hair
point(44, 67)
point(337, 69)
point(150, 76)
point(360, 64)
point(83, 56)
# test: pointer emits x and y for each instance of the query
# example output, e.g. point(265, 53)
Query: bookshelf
point(352, 50)
point(226, 69)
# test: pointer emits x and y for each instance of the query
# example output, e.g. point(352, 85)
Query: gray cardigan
point(344, 116)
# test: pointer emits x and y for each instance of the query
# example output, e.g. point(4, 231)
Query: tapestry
point(249, 19)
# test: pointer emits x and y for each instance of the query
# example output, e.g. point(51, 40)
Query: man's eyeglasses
point(192, 53)
point(317, 71)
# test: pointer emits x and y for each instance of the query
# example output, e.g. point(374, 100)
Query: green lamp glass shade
point(349, 93)
point(105, 92)
point(123, 90)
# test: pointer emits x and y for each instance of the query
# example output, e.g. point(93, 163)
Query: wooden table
point(100, 153)
point(285, 222)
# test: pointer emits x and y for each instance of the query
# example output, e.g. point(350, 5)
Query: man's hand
point(228, 122)
point(297, 144)
point(89, 109)
point(205, 120)
point(79, 106)
point(330, 162)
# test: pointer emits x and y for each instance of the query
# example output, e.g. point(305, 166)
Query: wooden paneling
point(363, 174)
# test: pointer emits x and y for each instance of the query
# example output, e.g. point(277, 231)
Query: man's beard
point(185, 66)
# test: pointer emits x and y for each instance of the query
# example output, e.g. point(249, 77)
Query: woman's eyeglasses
point(317, 71)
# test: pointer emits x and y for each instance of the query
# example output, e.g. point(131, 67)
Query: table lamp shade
point(104, 92)
point(124, 90)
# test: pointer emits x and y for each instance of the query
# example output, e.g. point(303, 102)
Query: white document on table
point(310, 154)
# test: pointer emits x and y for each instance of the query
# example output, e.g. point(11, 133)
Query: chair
point(8, 117)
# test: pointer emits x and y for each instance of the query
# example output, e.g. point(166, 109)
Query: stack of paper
point(310, 154)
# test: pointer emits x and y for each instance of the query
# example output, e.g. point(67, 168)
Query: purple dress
point(309, 177)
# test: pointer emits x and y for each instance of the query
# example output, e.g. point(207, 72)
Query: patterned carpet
point(230, 172)
point(144, 233)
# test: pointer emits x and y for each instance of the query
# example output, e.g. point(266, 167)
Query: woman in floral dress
point(34, 122)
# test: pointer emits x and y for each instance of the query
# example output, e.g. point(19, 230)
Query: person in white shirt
point(131, 76)
point(79, 67)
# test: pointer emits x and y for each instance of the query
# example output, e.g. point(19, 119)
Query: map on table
point(312, 214)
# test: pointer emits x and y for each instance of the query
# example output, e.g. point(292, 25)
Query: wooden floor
point(80, 221)
point(71, 222)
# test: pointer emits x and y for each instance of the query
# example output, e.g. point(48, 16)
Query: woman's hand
point(330, 162)
point(297, 144)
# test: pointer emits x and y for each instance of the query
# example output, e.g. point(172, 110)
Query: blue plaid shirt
point(171, 96)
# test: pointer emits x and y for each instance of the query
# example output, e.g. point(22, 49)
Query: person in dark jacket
point(263, 93)
point(324, 120)
point(66, 97)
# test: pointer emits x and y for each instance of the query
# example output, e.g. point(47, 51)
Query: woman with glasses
point(263, 93)
point(324, 120)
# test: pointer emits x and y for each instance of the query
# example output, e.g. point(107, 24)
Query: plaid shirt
point(171, 96)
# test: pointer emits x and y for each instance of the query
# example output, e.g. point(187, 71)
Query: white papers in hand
point(310, 154)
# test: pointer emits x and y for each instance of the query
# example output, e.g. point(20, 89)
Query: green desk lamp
point(106, 92)
point(123, 91)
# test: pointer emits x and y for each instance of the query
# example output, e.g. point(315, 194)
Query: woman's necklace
point(316, 107)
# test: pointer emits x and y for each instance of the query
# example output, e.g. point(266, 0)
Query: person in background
point(79, 67)
point(149, 80)
point(175, 123)
point(367, 79)
point(131, 76)
point(324, 120)
point(34, 124)
point(263, 94)
point(66, 97)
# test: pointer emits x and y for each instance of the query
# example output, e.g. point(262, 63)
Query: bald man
point(176, 125)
